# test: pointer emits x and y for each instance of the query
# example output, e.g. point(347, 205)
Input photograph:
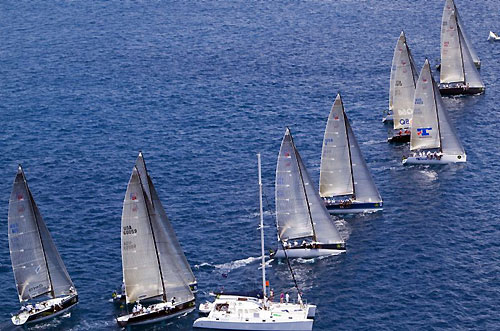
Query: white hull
point(230, 312)
point(307, 253)
point(354, 211)
point(445, 159)
point(206, 323)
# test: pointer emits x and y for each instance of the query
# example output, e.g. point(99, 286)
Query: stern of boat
point(311, 311)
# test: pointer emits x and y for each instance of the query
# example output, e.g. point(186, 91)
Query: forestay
point(292, 213)
point(452, 69)
point(38, 267)
point(405, 78)
point(425, 126)
point(335, 176)
point(324, 228)
point(364, 186)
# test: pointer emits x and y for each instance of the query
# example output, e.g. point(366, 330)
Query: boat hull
point(308, 252)
point(461, 90)
point(403, 138)
point(156, 316)
point(353, 208)
point(206, 323)
point(45, 314)
point(445, 159)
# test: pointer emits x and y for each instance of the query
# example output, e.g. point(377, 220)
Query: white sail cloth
point(431, 125)
point(403, 81)
point(37, 265)
point(343, 169)
point(450, 7)
point(300, 212)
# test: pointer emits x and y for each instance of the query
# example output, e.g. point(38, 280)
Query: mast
point(346, 121)
point(459, 31)
point(262, 231)
point(303, 186)
point(437, 111)
point(154, 239)
point(32, 201)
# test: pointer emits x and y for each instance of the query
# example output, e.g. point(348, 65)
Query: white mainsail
point(38, 267)
point(450, 7)
point(425, 127)
point(364, 186)
point(292, 212)
point(141, 269)
point(403, 82)
point(452, 65)
point(173, 242)
point(395, 57)
point(335, 177)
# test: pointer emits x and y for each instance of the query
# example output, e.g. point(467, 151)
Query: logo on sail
point(133, 196)
point(19, 196)
point(422, 132)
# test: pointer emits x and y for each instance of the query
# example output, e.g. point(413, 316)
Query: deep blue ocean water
point(202, 86)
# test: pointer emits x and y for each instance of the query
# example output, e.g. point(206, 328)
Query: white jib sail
point(177, 274)
point(141, 271)
point(335, 177)
point(472, 77)
point(425, 126)
point(61, 282)
point(324, 228)
point(452, 69)
point(26, 250)
point(450, 144)
point(292, 214)
point(449, 7)
point(405, 79)
point(364, 187)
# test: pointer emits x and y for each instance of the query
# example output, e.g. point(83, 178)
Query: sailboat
point(38, 268)
point(345, 182)
point(458, 73)
point(402, 87)
point(433, 138)
point(450, 7)
point(492, 36)
point(305, 227)
point(237, 312)
point(155, 270)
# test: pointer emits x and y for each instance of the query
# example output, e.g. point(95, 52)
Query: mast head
point(19, 168)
